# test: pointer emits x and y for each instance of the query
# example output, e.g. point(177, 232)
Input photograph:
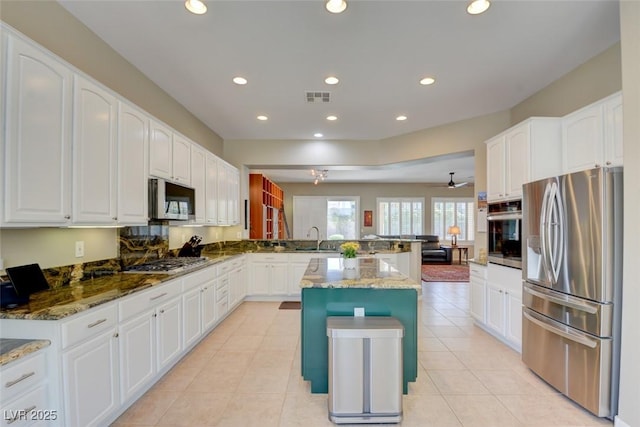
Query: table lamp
point(454, 230)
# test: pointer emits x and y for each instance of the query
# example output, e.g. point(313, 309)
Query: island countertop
point(370, 273)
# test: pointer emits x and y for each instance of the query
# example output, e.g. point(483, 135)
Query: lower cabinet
point(269, 275)
point(192, 321)
point(137, 354)
point(169, 332)
point(504, 304)
point(91, 380)
point(477, 292)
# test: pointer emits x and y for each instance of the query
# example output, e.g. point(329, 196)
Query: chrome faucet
point(317, 236)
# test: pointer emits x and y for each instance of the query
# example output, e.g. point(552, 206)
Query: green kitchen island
point(328, 289)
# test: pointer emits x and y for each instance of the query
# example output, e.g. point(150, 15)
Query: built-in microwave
point(170, 201)
point(504, 230)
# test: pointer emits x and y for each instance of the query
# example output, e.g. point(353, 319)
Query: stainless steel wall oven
point(504, 230)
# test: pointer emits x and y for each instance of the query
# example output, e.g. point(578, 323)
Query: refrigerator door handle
point(567, 301)
point(544, 246)
point(557, 218)
point(572, 336)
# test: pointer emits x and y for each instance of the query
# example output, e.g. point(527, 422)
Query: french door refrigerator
point(572, 278)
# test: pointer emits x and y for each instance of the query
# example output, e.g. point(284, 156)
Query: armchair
point(432, 253)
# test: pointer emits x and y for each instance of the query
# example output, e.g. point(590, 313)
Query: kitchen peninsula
point(328, 289)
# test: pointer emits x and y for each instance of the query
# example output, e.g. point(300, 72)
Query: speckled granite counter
point(375, 287)
point(60, 302)
point(370, 273)
point(12, 349)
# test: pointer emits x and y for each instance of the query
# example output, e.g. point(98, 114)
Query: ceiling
point(378, 49)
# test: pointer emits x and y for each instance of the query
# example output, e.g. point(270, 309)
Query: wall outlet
point(239, 235)
point(358, 311)
point(79, 249)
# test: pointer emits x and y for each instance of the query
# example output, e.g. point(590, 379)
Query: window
point(335, 217)
point(400, 216)
point(341, 219)
point(453, 211)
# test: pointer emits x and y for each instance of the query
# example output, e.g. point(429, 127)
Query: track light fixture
point(318, 175)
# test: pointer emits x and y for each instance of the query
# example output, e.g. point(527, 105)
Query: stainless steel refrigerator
point(572, 279)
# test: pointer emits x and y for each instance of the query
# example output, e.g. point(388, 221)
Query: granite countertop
point(371, 273)
point(12, 349)
point(58, 303)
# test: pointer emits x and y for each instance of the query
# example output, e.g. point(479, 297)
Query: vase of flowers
point(349, 252)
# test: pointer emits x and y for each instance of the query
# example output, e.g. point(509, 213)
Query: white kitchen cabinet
point(91, 380)
point(169, 332)
point(269, 275)
point(160, 150)
point(504, 304)
point(477, 291)
point(199, 181)
point(211, 189)
point(222, 296)
point(133, 173)
point(137, 354)
point(529, 151)
point(208, 308)
point(233, 195)
point(592, 136)
point(37, 133)
point(297, 269)
point(192, 319)
point(181, 159)
point(94, 154)
point(222, 194)
point(237, 282)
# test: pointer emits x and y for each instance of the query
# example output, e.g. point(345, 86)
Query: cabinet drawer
point(198, 278)
point(222, 307)
point(269, 258)
point(146, 300)
point(88, 324)
point(224, 268)
point(478, 271)
point(237, 262)
point(21, 375)
point(28, 409)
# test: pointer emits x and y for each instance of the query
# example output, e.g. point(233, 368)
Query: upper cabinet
point(133, 149)
point(37, 126)
point(94, 154)
point(526, 152)
point(592, 136)
point(199, 181)
point(169, 154)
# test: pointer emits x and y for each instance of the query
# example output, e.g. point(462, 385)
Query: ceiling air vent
point(318, 97)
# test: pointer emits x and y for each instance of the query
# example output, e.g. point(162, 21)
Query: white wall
point(629, 405)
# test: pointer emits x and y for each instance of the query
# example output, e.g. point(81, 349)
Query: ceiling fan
point(452, 184)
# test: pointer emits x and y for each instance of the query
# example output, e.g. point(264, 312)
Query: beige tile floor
point(247, 373)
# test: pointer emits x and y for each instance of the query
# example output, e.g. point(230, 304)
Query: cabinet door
point(297, 272)
point(181, 160)
point(94, 154)
point(137, 351)
point(517, 161)
point(169, 332)
point(495, 168)
point(208, 306)
point(495, 309)
point(477, 294)
point(160, 151)
point(233, 195)
point(90, 373)
point(613, 131)
point(133, 173)
point(192, 317)
point(260, 274)
point(38, 137)
point(222, 195)
point(236, 286)
point(513, 330)
point(211, 189)
point(198, 181)
point(279, 283)
point(582, 137)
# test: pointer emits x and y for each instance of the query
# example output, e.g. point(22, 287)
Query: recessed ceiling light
point(477, 7)
point(401, 118)
point(427, 81)
point(262, 118)
point(332, 118)
point(195, 6)
point(336, 6)
point(331, 80)
point(240, 80)
point(318, 135)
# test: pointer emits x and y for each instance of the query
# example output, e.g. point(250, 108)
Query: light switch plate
point(79, 248)
point(358, 312)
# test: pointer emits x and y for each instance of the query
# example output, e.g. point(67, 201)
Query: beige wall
point(629, 410)
point(595, 79)
point(53, 27)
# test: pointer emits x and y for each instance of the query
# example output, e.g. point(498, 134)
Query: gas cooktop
point(168, 265)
